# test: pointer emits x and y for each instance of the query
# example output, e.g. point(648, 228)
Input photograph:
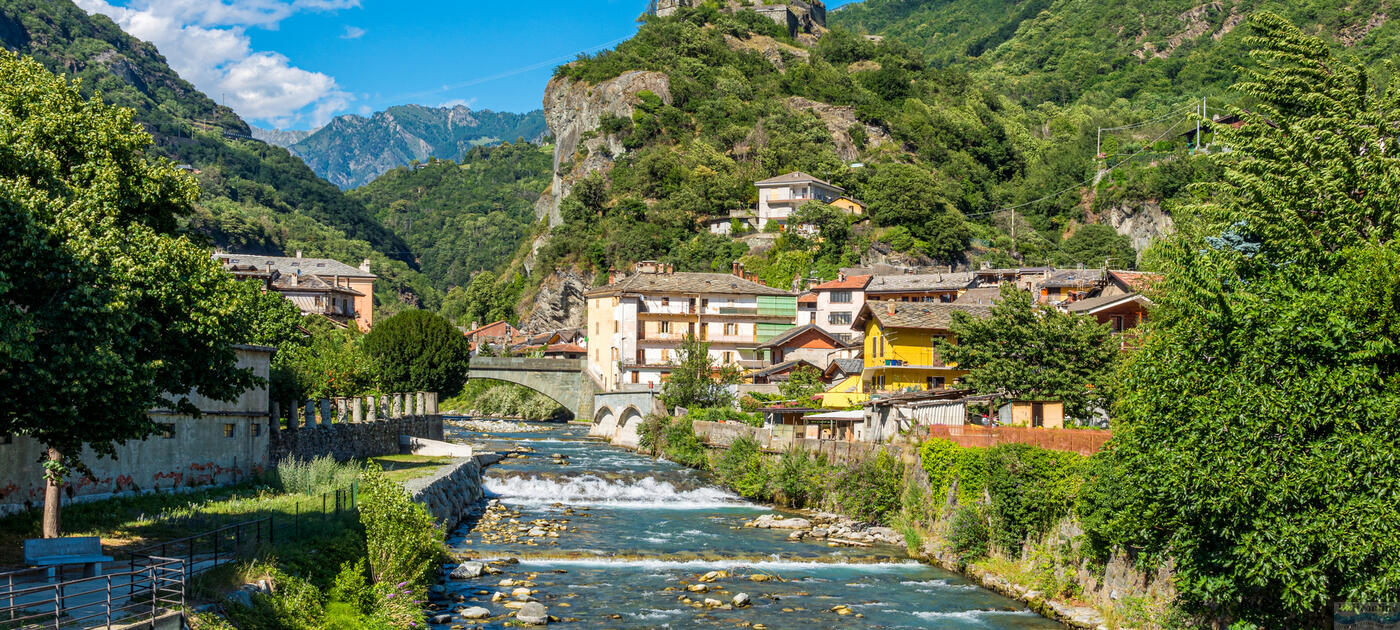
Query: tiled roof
point(783, 367)
point(309, 283)
point(503, 324)
point(795, 332)
point(1074, 278)
point(1013, 271)
point(1093, 304)
point(807, 298)
point(920, 282)
point(1135, 280)
point(984, 296)
point(847, 366)
point(686, 282)
point(796, 177)
point(925, 315)
point(288, 265)
point(850, 282)
point(565, 347)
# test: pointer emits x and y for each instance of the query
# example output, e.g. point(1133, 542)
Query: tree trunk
point(53, 493)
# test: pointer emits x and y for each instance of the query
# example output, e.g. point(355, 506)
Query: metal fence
point(1082, 441)
point(154, 588)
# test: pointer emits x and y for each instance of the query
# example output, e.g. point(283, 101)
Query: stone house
point(318, 286)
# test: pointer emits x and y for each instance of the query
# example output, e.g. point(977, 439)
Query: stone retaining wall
point(722, 434)
point(346, 441)
point(450, 493)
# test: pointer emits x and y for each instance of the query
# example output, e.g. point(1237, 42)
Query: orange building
point(318, 286)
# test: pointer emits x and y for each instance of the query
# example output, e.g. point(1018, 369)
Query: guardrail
point(139, 594)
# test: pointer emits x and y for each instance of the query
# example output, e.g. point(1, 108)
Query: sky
point(295, 64)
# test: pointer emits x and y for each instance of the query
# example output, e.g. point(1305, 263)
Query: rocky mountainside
point(280, 137)
point(352, 150)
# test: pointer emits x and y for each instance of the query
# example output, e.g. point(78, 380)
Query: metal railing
point(206, 550)
point(155, 588)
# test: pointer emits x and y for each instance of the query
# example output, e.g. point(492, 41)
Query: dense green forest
point(460, 218)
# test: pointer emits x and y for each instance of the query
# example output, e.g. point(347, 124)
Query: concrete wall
point(228, 443)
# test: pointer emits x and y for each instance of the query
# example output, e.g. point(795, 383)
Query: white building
point(781, 196)
point(636, 324)
point(838, 302)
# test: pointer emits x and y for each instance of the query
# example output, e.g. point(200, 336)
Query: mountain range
point(353, 150)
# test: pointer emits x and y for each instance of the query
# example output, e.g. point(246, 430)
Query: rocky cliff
point(1142, 221)
point(572, 110)
point(353, 150)
point(280, 137)
point(559, 303)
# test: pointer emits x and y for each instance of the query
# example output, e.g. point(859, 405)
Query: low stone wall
point(450, 493)
point(352, 440)
point(722, 434)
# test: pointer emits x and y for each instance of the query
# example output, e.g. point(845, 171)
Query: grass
point(401, 468)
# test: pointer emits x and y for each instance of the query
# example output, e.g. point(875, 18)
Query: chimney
point(298, 253)
point(612, 275)
point(475, 325)
point(889, 307)
point(364, 265)
point(734, 268)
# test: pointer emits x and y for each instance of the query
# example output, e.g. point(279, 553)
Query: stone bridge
point(563, 380)
point(615, 416)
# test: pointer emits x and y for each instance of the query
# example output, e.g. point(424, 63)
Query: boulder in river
point(475, 612)
point(769, 521)
point(741, 600)
point(468, 571)
point(532, 614)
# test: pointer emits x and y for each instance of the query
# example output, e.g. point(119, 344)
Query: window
point(705, 305)
point(665, 301)
point(166, 430)
point(636, 377)
point(934, 382)
point(665, 355)
point(614, 354)
point(257, 429)
point(229, 429)
point(840, 297)
point(731, 330)
point(1116, 322)
point(840, 319)
point(665, 327)
point(728, 357)
point(615, 325)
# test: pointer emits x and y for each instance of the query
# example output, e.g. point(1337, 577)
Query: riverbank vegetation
point(499, 399)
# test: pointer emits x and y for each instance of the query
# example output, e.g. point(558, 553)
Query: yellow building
point(849, 205)
point(901, 345)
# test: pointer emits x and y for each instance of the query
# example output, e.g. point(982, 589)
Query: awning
point(836, 415)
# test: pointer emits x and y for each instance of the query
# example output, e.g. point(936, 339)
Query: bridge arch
point(562, 380)
point(604, 423)
point(629, 425)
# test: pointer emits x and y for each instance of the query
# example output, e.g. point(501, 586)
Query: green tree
point(1035, 352)
point(419, 351)
point(1255, 437)
point(802, 384)
point(1092, 245)
point(695, 379)
point(903, 194)
point(106, 310)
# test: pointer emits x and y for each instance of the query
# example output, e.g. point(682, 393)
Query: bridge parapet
point(563, 380)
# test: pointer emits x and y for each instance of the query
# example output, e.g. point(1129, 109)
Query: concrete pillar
point(432, 407)
point(397, 401)
point(274, 418)
point(342, 410)
point(357, 409)
point(421, 400)
point(325, 411)
point(310, 414)
point(372, 409)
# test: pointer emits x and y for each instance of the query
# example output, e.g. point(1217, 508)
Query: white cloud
point(206, 42)
point(353, 32)
point(464, 102)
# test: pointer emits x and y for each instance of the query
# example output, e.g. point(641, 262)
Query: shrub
point(352, 587)
point(419, 351)
point(681, 445)
point(316, 475)
point(870, 491)
point(725, 414)
point(967, 533)
point(402, 539)
point(295, 605)
point(1030, 488)
point(742, 468)
point(801, 477)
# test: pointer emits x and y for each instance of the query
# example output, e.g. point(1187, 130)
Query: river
point(633, 534)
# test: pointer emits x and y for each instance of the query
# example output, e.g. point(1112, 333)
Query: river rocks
point(711, 602)
point(475, 612)
point(771, 521)
point(740, 600)
point(698, 588)
point(532, 614)
point(468, 571)
point(759, 577)
point(498, 426)
point(440, 619)
point(714, 575)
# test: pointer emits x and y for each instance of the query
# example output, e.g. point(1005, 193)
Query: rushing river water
point(640, 531)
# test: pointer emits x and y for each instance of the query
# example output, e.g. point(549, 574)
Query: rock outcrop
point(573, 109)
point(1143, 221)
point(560, 303)
point(839, 121)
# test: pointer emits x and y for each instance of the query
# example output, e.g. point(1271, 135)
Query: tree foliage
point(695, 379)
point(1256, 441)
point(1034, 352)
point(418, 351)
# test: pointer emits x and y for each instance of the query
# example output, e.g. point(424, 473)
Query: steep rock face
point(839, 121)
point(560, 303)
point(353, 150)
point(1143, 221)
point(572, 109)
point(280, 137)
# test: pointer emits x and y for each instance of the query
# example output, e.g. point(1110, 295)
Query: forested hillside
point(460, 218)
point(254, 196)
point(352, 150)
point(934, 153)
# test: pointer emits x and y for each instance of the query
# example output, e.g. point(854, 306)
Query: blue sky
point(296, 63)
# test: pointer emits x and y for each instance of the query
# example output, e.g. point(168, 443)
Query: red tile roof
point(565, 347)
point(851, 282)
point(807, 298)
point(1137, 280)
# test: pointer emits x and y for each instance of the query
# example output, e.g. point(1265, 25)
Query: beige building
point(780, 196)
point(636, 324)
point(319, 286)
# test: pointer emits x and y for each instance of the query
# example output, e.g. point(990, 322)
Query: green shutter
point(769, 331)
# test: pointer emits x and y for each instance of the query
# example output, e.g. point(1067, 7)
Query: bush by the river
point(311, 476)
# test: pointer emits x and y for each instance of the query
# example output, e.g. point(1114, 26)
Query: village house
point(779, 197)
point(317, 286)
point(636, 324)
point(1023, 277)
point(901, 345)
point(937, 287)
point(837, 303)
point(806, 309)
point(1068, 285)
point(850, 205)
point(496, 335)
point(1119, 301)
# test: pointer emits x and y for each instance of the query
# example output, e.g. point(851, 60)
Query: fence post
point(109, 601)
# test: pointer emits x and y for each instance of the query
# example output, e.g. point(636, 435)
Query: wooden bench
point(59, 552)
